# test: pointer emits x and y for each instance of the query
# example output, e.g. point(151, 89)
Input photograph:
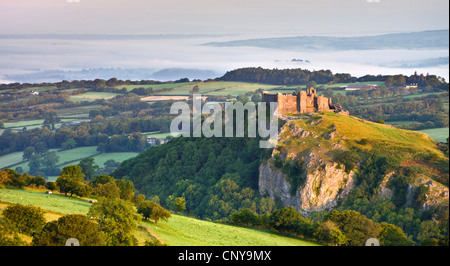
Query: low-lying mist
point(54, 59)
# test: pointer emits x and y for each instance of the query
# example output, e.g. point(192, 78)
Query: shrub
point(27, 219)
point(245, 217)
point(349, 159)
point(77, 226)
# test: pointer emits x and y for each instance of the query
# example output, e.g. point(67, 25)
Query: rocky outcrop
point(303, 171)
point(324, 183)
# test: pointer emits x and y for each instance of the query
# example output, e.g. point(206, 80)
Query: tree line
point(303, 76)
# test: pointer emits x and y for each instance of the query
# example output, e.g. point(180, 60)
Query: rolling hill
point(413, 40)
point(177, 231)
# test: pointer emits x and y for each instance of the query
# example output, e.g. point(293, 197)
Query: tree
point(28, 153)
point(399, 80)
point(392, 235)
point(285, 220)
point(428, 230)
point(69, 144)
point(71, 180)
point(245, 217)
point(9, 235)
point(389, 81)
point(357, 228)
point(329, 232)
point(102, 179)
point(50, 159)
point(51, 118)
point(6, 178)
point(311, 84)
point(180, 204)
point(88, 167)
point(152, 210)
point(56, 233)
point(109, 190)
point(117, 219)
point(74, 171)
point(126, 188)
point(242, 97)
point(27, 219)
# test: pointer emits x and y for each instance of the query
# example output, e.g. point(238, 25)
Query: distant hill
point(413, 40)
point(169, 74)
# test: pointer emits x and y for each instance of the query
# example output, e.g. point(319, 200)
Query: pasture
point(438, 134)
point(177, 231)
point(155, 87)
point(92, 96)
point(187, 231)
point(65, 156)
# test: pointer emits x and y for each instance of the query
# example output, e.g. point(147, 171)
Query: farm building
point(156, 141)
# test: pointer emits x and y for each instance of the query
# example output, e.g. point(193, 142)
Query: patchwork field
point(217, 88)
point(68, 157)
point(73, 155)
point(29, 124)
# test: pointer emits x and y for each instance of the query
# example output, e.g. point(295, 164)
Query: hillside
point(323, 162)
point(320, 159)
point(177, 231)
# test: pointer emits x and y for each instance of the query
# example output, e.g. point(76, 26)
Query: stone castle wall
point(287, 104)
point(304, 102)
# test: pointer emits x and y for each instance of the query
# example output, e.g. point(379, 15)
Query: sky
point(263, 17)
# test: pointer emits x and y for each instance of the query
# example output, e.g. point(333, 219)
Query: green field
point(79, 111)
point(177, 231)
point(157, 134)
point(154, 86)
point(438, 134)
point(55, 202)
point(101, 158)
point(29, 124)
point(92, 96)
point(68, 157)
point(10, 159)
point(186, 231)
point(218, 88)
point(235, 89)
point(64, 156)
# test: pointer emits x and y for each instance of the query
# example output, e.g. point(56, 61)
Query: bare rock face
point(325, 182)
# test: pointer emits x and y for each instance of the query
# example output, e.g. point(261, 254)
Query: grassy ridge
point(350, 131)
point(177, 231)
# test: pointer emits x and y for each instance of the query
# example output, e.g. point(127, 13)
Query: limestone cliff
point(323, 185)
point(305, 172)
point(323, 181)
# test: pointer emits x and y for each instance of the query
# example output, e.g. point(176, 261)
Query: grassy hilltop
point(353, 132)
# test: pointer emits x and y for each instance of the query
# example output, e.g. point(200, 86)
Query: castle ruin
point(302, 102)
